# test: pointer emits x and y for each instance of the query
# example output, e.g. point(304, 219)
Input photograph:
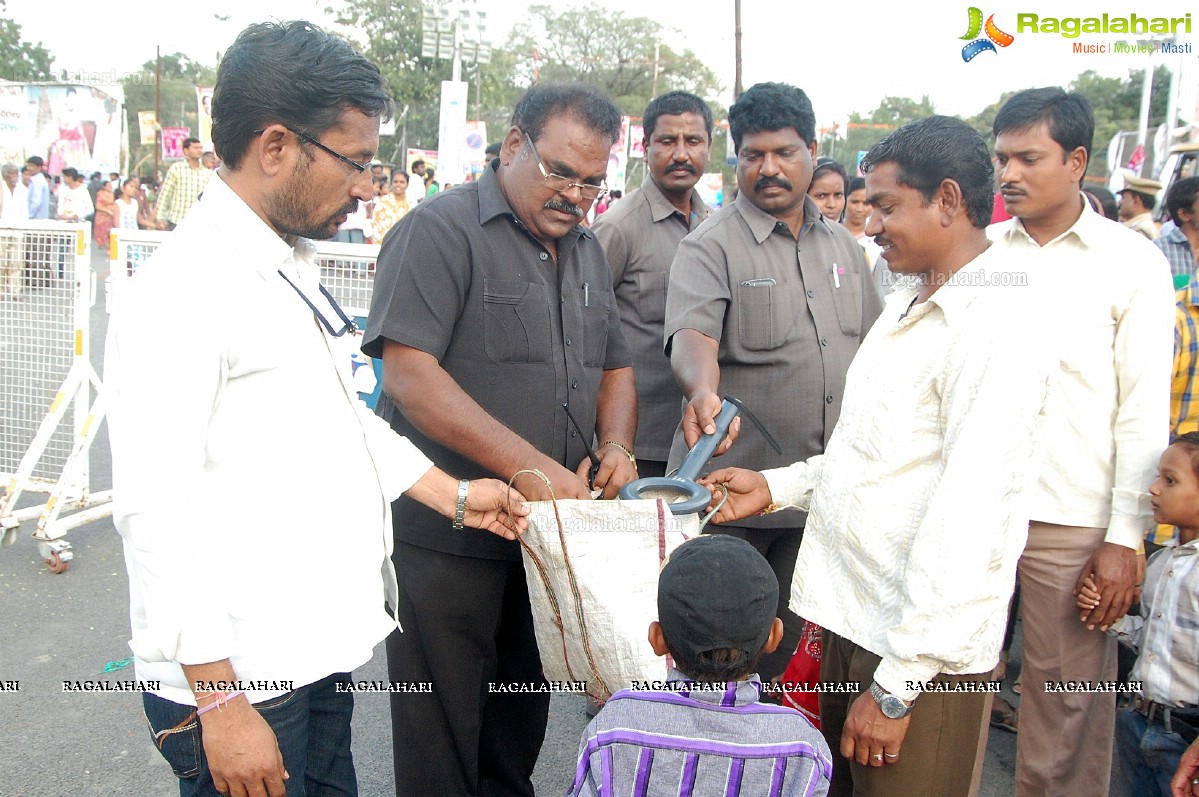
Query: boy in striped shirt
point(704, 731)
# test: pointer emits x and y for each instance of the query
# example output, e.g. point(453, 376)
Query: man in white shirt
point(254, 502)
point(14, 208)
point(74, 202)
point(916, 519)
point(1109, 293)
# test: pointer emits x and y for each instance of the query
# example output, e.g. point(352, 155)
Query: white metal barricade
point(347, 270)
point(46, 381)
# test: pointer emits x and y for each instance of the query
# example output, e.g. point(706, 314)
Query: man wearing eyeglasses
point(252, 488)
point(492, 308)
point(768, 302)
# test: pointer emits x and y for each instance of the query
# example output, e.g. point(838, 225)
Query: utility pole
point(737, 44)
point(157, 110)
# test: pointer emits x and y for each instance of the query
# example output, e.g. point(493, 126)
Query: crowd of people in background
point(866, 319)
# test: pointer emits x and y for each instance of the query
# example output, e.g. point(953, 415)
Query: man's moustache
point(766, 182)
point(565, 207)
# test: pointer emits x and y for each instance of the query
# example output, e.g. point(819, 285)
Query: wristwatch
point(891, 706)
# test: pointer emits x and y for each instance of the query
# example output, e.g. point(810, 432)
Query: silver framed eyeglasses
point(563, 184)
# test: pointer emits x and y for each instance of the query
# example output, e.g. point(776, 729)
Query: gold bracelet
point(627, 453)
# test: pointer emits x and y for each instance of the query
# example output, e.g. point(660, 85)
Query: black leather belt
point(1183, 721)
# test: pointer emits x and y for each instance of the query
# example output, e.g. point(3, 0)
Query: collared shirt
point(641, 234)
point(1167, 632)
point(1184, 409)
point(1144, 224)
point(251, 484)
point(39, 197)
point(15, 205)
point(1177, 249)
point(74, 203)
point(917, 514)
point(180, 190)
point(1107, 418)
point(462, 279)
point(693, 742)
point(388, 211)
point(789, 316)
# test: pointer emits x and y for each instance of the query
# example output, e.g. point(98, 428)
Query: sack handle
point(574, 588)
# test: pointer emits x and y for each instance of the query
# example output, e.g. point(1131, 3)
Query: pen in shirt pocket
point(586, 294)
point(837, 272)
point(759, 281)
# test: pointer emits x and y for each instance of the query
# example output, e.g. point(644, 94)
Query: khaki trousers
point(937, 758)
point(1064, 747)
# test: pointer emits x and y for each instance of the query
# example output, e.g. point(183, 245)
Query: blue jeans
point(1148, 755)
point(311, 725)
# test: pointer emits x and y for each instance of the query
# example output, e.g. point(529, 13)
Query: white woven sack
point(593, 586)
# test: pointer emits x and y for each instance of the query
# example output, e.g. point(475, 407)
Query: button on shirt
point(640, 234)
point(1167, 632)
point(461, 279)
point(251, 485)
point(742, 279)
point(1106, 424)
point(701, 743)
point(917, 518)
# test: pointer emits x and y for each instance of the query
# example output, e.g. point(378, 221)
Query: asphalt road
point(70, 627)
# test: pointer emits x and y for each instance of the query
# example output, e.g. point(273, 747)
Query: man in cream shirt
point(1109, 293)
point(916, 513)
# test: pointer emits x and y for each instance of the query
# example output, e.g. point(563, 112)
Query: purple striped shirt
point(701, 742)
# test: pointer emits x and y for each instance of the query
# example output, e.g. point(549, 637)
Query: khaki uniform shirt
point(641, 234)
point(789, 316)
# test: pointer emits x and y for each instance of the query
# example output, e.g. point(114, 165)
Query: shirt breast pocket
point(762, 317)
point(847, 300)
point(516, 319)
point(651, 296)
point(595, 330)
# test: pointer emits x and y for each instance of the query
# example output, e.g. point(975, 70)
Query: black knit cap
point(716, 591)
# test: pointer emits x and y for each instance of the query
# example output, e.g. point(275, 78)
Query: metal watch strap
point(460, 512)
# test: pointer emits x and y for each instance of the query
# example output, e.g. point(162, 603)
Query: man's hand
point(565, 484)
point(1182, 784)
point(699, 418)
point(869, 737)
point(615, 471)
point(492, 506)
point(243, 754)
point(1114, 572)
point(748, 493)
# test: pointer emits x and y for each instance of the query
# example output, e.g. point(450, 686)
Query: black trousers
point(467, 629)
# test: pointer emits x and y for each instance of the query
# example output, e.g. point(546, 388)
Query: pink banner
point(172, 141)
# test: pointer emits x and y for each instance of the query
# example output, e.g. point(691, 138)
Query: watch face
point(893, 707)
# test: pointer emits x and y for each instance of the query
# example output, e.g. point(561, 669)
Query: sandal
point(1004, 715)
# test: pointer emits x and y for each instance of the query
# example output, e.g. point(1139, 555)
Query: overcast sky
point(846, 55)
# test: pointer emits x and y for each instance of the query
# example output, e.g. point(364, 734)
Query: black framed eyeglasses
point(563, 184)
point(355, 165)
point(348, 324)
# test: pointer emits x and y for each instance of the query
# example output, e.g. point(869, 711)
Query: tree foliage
point(864, 131)
point(392, 33)
point(619, 54)
point(180, 75)
point(21, 60)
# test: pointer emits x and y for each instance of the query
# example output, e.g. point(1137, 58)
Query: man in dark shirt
point(492, 308)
